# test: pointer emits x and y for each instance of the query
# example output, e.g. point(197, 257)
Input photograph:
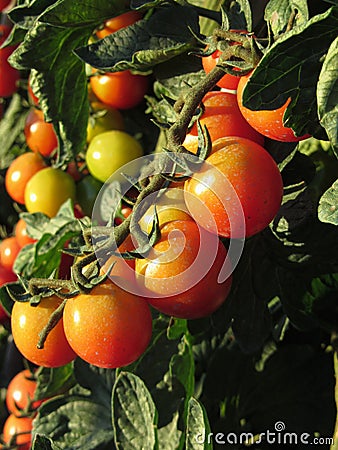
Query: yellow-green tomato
point(103, 118)
point(47, 190)
point(109, 151)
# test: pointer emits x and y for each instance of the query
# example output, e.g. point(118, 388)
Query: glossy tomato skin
point(21, 234)
point(223, 118)
point(27, 323)
point(109, 327)
point(20, 426)
point(171, 285)
point(47, 190)
point(120, 90)
point(4, 4)
point(109, 151)
point(20, 172)
point(267, 122)
point(117, 23)
point(240, 180)
point(103, 119)
point(9, 250)
point(21, 393)
point(9, 76)
point(40, 135)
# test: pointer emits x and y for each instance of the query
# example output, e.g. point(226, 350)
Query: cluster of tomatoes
point(22, 407)
point(235, 193)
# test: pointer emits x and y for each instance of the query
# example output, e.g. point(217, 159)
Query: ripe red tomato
point(118, 22)
point(33, 98)
point(267, 122)
point(28, 321)
point(40, 135)
point(209, 62)
point(18, 430)
point(109, 327)
point(9, 76)
point(177, 276)
point(222, 118)
point(4, 4)
point(9, 250)
point(20, 172)
point(121, 90)
point(241, 186)
point(21, 393)
point(21, 234)
point(47, 190)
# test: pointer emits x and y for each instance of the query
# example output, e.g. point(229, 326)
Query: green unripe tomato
point(86, 193)
point(47, 190)
point(109, 151)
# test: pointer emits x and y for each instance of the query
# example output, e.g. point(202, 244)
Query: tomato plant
point(6, 276)
point(4, 4)
point(238, 169)
point(108, 327)
point(87, 190)
point(17, 430)
point(40, 135)
point(27, 323)
point(20, 393)
point(20, 172)
point(47, 190)
point(121, 90)
point(109, 151)
point(228, 81)
point(21, 235)
point(261, 218)
point(222, 117)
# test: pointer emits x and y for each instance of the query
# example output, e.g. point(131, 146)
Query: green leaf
point(134, 414)
point(198, 427)
point(328, 205)
point(11, 131)
point(327, 94)
point(75, 422)
point(42, 442)
point(54, 381)
point(291, 68)
point(146, 43)
point(278, 12)
point(239, 15)
point(169, 436)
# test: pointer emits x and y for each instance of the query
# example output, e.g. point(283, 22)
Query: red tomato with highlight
point(21, 393)
point(9, 250)
point(267, 122)
point(20, 172)
point(19, 431)
point(121, 90)
point(240, 185)
point(21, 234)
point(4, 4)
point(222, 117)
point(118, 22)
point(177, 278)
point(109, 327)
point(40, 135)
point(28, 321)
